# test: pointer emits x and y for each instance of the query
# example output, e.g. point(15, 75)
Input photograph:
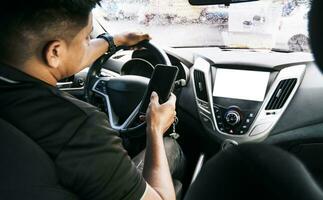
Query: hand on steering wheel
point(130, 39)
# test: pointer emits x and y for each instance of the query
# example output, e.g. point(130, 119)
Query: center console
point(237, 97)
point(242, 103)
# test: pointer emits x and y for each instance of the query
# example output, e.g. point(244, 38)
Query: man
point(45, 41)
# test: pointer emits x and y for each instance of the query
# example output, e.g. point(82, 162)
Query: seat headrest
point(316, 31)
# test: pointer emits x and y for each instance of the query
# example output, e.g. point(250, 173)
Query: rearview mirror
point(216, 2)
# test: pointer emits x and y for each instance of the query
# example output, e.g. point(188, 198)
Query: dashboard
point(248, 96)
point(238, 95)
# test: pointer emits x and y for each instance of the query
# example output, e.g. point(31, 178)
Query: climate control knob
point(232, 117)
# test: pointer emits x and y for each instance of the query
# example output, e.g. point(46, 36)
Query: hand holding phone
point(162, 82)
point(160, 117)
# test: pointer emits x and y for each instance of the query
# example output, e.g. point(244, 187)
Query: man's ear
point(53, 53)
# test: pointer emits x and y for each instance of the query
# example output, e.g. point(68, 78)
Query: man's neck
point(40, 71)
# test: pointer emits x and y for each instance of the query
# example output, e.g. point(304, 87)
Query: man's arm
point(99, 46)
point(94, 165)
point(156, 170)
point(159, 118)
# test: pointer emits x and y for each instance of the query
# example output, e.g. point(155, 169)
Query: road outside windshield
point(265, 24)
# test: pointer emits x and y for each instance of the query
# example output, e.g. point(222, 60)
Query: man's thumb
point(154, 97)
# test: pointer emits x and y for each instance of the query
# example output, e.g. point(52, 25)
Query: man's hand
point(156, 170)
point(130, 38)
point(97, 47)
point(160, 117)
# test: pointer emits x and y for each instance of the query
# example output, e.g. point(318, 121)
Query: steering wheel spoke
point(100, 88)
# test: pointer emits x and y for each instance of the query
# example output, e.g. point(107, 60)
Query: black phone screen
point(162, 82)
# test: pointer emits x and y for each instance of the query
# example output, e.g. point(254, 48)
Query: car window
point(263, 24)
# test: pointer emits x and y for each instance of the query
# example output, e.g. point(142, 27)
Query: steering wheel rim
point(93, 79)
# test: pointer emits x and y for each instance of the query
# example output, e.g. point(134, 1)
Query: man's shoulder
point(47, 115)
point(72, 102)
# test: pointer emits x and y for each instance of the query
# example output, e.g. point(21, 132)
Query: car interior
point(226, 96)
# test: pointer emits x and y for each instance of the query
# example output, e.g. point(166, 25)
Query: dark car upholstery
point(254, 171)
point(315, 29)
point(26, 171)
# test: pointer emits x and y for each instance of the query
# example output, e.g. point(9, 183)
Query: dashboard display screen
point(240, 84)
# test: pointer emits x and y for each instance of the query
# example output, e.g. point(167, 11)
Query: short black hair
point(26, 26)
point(316, 31)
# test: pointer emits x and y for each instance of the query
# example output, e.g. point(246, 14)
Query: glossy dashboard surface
point(299, 111)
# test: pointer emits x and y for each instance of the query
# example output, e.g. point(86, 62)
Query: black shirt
point(88, 155)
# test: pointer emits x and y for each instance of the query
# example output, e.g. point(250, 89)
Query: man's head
point(45, 30)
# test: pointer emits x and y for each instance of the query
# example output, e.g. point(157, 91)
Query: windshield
point(265, 24)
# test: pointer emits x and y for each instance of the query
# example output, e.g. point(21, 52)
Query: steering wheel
point(95, 84)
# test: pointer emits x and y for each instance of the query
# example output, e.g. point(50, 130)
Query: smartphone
point(162, 82)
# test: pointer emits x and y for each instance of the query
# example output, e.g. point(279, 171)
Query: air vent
point(281, 94)
point(200, 86)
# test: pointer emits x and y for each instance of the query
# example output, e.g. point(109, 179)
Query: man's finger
point(136, 48)
point(146, 37)
point(172, 99)
point(142, 118)
point(154, 98)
